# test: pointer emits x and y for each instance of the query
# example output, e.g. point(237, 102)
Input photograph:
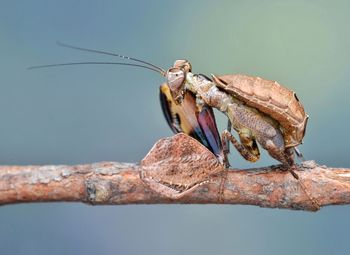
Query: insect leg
point(226, 150)
point(225, 153)
point(229, 126)
point(286, 157)
point(226, 145)
point(299, 154)
point(314, 201)
point(250, 155)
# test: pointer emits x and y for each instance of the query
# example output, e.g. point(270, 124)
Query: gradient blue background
point(86, 114)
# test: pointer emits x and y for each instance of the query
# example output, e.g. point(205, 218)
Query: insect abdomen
point(272, 99)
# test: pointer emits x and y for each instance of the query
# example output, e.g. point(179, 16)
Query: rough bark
point(121, 183)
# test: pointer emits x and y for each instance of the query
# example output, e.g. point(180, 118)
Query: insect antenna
point(95, 63)
point(161, 70)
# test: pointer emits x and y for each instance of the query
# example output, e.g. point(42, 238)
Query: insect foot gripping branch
point(177, 165)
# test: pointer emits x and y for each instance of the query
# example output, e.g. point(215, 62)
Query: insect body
point(260, 111)
point(272, 99)
point(264, 123)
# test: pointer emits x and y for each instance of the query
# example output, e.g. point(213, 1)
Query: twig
point(120, 183)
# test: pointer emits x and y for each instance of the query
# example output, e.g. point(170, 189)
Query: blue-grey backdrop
point(95, 113)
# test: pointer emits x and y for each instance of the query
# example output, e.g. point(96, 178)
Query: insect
point(260, 111)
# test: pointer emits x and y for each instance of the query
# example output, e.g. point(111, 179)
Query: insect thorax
point(207, 91)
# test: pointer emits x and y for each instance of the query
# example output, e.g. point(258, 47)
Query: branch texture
point(123, 183)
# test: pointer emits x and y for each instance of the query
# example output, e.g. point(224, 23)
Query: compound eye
point(176, 78)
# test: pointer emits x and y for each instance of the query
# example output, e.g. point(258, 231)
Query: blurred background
point(83, 114)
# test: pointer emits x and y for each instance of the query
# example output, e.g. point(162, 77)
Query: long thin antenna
point(95, 63)
point(110, 54)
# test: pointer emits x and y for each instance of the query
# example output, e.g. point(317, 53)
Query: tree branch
point(121, 183)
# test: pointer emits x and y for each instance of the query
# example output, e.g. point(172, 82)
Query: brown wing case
point(270, 98)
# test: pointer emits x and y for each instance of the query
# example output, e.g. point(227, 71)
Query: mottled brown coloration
point(120, 183)
point(271, 98)
point(251, 125)
point(172, 169)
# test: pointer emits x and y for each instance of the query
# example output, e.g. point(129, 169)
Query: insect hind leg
point(286, 157)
